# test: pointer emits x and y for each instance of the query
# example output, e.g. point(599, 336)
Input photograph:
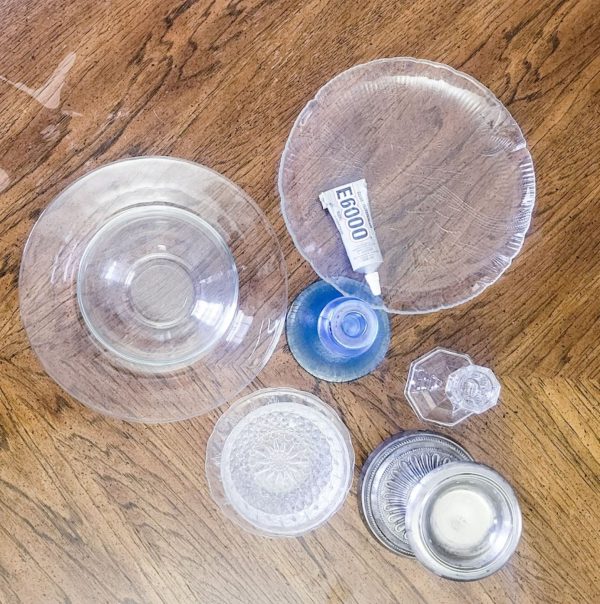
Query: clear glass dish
point(153, 289)
point(450, 181)
point(463, 521)
point(279, 462)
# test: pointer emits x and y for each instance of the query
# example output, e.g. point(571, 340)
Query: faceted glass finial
point(446, 387)
point(473, 388)
point(348, 326)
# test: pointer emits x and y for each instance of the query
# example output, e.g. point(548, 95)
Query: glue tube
point(349, 207)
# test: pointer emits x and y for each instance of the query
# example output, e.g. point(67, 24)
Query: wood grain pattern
point(94, 510)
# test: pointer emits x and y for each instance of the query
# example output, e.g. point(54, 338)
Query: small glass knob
point(348, 326)
point(473, 388)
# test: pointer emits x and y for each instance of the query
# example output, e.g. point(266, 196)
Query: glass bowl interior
point(463, 521)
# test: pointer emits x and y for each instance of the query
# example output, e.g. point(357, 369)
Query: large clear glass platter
point(153, 289)
point(450, 180)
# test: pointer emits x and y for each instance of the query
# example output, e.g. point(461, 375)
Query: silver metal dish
point(390, 473)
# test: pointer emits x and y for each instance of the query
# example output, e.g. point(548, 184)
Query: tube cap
point(372, 280)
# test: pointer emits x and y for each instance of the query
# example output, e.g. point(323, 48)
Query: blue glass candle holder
point(334, 337)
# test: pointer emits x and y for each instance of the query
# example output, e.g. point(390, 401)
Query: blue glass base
point(334, 337)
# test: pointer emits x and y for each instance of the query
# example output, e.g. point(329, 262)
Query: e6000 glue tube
point(349, 207)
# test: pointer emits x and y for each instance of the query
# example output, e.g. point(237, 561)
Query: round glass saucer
point(279, 462)
point(463, 521)
point(153, 289)
point(449, 178)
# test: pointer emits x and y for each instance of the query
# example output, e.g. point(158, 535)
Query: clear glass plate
point(279, 462)
point(450, 180)
point(153, 289)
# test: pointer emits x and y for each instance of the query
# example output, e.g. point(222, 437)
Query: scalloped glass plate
point(153, 289)
point(450, 180)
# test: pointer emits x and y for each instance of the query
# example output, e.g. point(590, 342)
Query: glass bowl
point(279, 462)
point(153, 289)
point(450, 181)
point(463, 521)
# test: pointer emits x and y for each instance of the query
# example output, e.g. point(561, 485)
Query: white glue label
point(349, 207)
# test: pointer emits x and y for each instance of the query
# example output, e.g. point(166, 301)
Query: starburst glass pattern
point(400, 478)
point(280, 462)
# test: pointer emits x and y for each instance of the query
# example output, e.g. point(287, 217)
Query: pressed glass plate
point(279, 462)
point(153, 289)
point(450, 180)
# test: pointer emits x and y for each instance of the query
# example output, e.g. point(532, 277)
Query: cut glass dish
point(279, 462)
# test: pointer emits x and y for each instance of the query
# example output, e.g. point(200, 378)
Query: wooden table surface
point(97, 510)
